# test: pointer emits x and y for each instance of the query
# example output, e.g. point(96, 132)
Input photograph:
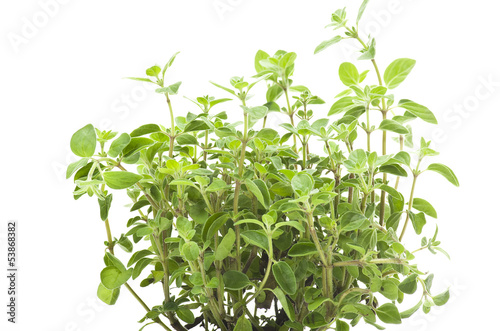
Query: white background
point(67, 71)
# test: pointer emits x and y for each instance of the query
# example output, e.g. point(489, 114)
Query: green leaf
point(112, 260)
point(407, 313)
point(428, 282)
point(261, 55)
point(424, 206)
point(442, 298)
point(360, 14)
point(409, 285)
point(119, 180)
point(397, 72)
point(254, 189)
point(418, 221)
point(285, 277)
point(84, 141)
point(153, 71)
point(104, 205)
point(217, 185)
point(185, 315)
point(235, 280)
point(138, 256)
point(140, 79)
point(196, 125)
point(140, 266)
point(394, 169)
point(145, 129)
point(341, 325)
point(327, 43)
point(287, 60)
point(341, 105)
point(172, 89)
point(294, 224)
point(287, 307)
point(352, 221)
point(302, 249)
point(136, 144)
point(314, 320)
point(185, 182)
point(243, 324)
point(256, 238)
point(389, 289)
point(169, 64)
point(108, 296)
point(348, 74)
point(418, 110)
point(191, 251)
point(393, 126)
point(112, 277)
point(224, 88)
point(225, 246)
point(302, 183)
point(257, 112)
point(391, 191)
point(75, 166)
point(186, 139)
point(118, 145)
point(368, 53)
point(388, 313)
point(213, 224)
point(444, 171)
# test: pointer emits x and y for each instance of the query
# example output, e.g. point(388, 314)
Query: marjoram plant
point(244, 228)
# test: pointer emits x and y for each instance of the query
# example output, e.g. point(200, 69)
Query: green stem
point(315, 239)
point(156, 320)
point(290, 113)
point(172, 130)
point(268, 270)
point(143, 304)
point(368, 132)
point(410, 205)
point(205, 147)
point(304, 155)
point(362, 263)
point(383, 193)
point(401, 147)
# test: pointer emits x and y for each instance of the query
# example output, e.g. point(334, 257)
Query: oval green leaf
point(84, 141)
point(119, 180)
point(285, 277)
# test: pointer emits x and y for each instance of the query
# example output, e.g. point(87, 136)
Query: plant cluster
point(252, 229)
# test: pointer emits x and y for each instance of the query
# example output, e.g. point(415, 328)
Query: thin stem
point(368, 132)
point(268, 270)
point(315, 239)
point(143, 304)
point(401, 147)
point(361, 263)
point(205, 147)
point(290, 113)
point(156, 320)
point(238, 187)
point(172, 130)
point(304, 155)
point(383, 194)
point(410, 205)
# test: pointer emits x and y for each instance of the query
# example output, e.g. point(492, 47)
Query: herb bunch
point(249, 229)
